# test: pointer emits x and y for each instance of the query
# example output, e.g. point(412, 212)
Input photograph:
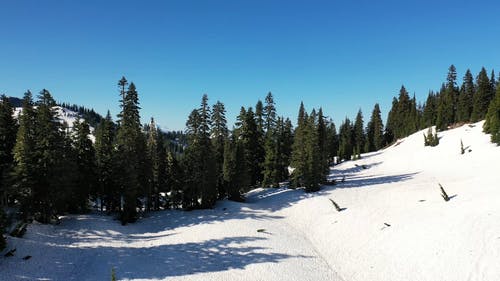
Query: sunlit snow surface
point(302, 236)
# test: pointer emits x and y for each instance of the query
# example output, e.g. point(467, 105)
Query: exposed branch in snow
point(443, 193)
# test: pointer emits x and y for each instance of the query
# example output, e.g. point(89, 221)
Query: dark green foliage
point(346, 140)
point(271, 145)
point(156, 165)
point(8, 131)
point(431, 139)
point(53, 154)
point(482, 96)
point(107, 188)
point(447, 103)
point(260, 135)
point(199, 161)
point(219, 135)
point(174, 181)
point(321, 130)
point(359, 134)
point(375, 131)
point(247, 132)
point(465, 98)
point(236, 173)
point(429, 115)
point(307, 156)
point(24, 157)
point(130, 145)
point(86, 176)
point(492, 123)
point(332, 141)
point(403, 118)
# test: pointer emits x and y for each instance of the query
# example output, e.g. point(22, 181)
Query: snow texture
point(394, 226)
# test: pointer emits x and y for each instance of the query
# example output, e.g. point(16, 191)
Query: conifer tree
point(299, 152)
point(49, 147)
point(104, 149)
point(236, 172)
point(154, 159)
point(482, 97)
point(346, 140)
point(247, 132)
point(322, 136)
point(25, 158)
point(260, 135)
point(448, 101)
point(375, 130)
point(429, 116)
point(332, 141)
point(8, 130)
point(359, 134)
point(492, 123)
point(219, 135)
point(271, 165)
point(174, 181)
point(86, 166)
point(315, 173)
point(199, 160)
point(465, 99)
point(130, 151)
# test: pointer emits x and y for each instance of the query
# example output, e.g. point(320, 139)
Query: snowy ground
point(304, 238)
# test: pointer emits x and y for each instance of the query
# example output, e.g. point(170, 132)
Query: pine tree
point(299, 152)
point(465, 100)
point(86, 166)
point(130, 151)
point(24, 157)
point(199, 160)
point(446, 113)
point(219, 135)
point(271, 165)
point(154, 159)
point(174, 181)
point(482, 96)
point(492, 123)
point(8, 131)
point(322, 136)
point(359, 134)
point(332, 141)
point(49, 147)
point(105, 156)
point(236, 172)
point(429, 116)
point(346, 140)
point(260, 134)
point(315, 173)
point(375, 130)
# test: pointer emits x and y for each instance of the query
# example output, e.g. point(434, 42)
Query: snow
point(395, 226)
point(65, 116)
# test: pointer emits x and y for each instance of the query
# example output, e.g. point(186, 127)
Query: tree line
point(47, 169)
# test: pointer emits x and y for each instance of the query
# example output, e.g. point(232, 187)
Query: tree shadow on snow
point(154, 262)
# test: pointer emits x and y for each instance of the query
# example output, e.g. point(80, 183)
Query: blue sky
point(341, 55)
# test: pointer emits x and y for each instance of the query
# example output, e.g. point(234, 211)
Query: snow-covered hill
point(65, 116)
point(395, 226)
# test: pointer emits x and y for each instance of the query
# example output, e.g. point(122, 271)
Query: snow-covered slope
point(395, 226)
point(65, 116)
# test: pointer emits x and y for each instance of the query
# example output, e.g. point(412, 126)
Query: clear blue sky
point(341, 55)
